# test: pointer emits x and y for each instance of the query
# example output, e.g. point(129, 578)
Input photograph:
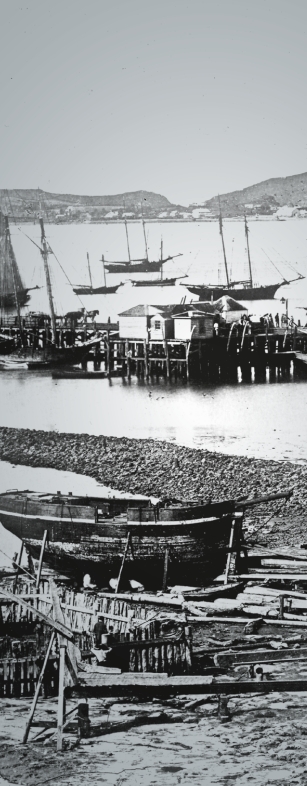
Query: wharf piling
point(251, 351)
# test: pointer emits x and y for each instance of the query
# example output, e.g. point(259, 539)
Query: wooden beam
point(227, 659)
point(244, 620)
point(162, 686)
point(41, 556)
point(18, 562)
point(62, 629)
point(37, 690)
point(61, 698)
point(123, 562)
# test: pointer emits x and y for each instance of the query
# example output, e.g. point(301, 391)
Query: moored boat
point(241, 290)
point(93, 534)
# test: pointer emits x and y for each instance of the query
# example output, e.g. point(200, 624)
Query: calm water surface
point(265, 420)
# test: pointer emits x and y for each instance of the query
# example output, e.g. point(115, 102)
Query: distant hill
point(263, 198)
point(279, 195)
point(24, 204)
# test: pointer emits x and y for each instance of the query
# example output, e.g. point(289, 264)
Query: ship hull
point(96, 290)
point(80, 541)
point(43, 358)
point(166, 282)
point(239, 293)
point(139, 267)
point(8, 300)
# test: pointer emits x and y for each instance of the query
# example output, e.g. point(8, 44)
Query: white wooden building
point(161, 327)
point(193, 324)
point(135, 322)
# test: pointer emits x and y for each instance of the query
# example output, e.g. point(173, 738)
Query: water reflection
point(261, 412)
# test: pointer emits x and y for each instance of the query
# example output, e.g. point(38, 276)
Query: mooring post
point(107, 361)
point(165, 569)
point(222, 708)
point(167, 359)
point(187, 359)
point(230, 546)
point(145, 358)
point(83, 719)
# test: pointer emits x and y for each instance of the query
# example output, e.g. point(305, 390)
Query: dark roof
point(141, 311)
point(231, 304)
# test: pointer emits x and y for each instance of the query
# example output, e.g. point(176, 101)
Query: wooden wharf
point(253, 351)
point(241, 349)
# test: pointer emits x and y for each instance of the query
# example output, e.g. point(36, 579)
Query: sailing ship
point(51, 354)
point(157, 282)
point(241, 290)
point(12, 288)
point(88, 289)
point(91, 534)
point(138, 265)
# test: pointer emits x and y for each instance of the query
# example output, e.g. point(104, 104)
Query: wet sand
point(263, 744)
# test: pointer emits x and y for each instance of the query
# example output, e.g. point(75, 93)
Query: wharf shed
point(135, 322)
point(195, 322)
point(229, 309)
point(162, 325)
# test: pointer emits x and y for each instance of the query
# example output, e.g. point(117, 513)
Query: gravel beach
point(167, 470)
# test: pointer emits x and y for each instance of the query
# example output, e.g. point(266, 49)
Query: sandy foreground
point(264, 742)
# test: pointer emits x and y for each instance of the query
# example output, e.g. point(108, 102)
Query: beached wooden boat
point(92, 534)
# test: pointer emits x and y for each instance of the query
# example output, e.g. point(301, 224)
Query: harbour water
point(265, 420)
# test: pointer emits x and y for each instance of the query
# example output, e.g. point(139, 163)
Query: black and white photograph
point(153, 393)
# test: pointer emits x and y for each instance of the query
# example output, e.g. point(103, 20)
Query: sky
point(186, 98)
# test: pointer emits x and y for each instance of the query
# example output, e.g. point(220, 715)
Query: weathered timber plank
point(226, 659)
point(263, 590)
point(159, 685)
point(140, 597)
point(284, 563)
point(244, 620)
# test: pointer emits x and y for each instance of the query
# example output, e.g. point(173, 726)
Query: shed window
point(157, 324)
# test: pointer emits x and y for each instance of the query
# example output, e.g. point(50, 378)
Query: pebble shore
point(167, 470)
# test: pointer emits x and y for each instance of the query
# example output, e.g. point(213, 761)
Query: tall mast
point(10, 261)
point(126, 227)
point(44, 253)
point(104, 271)
point(144, 230)
point(89, 269)
point(161, 259)
point(248, 252)
point(223, 244)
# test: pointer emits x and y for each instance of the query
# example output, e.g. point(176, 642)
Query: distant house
point(135, 323)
